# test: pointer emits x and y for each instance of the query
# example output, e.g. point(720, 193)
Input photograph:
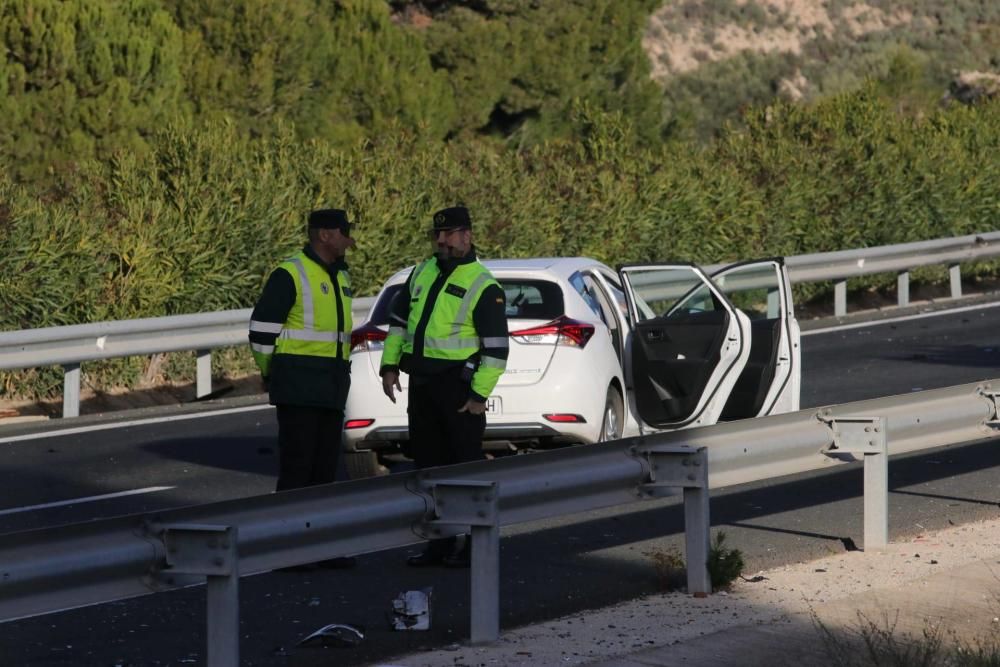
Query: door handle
point(655, 335)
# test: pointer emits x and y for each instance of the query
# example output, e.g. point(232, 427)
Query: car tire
point(614, 416)
point(363, 463)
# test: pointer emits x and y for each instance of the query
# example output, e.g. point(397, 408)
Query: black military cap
point(330, 218)
point(456, 217)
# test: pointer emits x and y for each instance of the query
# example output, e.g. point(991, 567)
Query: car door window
point(609, 311)
point(617, 294)
point(673, 293)
point(757, 289)
point(689, 344)
point(602, 301)
point(584, 285)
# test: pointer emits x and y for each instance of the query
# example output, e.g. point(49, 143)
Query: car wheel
point(363, 463)
point(614, 416)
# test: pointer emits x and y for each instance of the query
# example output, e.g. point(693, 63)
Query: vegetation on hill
point(716, 57)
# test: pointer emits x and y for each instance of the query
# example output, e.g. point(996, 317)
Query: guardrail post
point(903, 288)
point(210, 551)
point(840, 298)
point(672, 466)
point(474, 504)
point(867, 436)
point(71, 390)
point(485, 578)
point(993, 421)
point(204, 373)
point(697, 540)
point(955, 278)
point(877, 497)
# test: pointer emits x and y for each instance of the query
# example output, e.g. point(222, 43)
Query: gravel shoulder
point(949, 579)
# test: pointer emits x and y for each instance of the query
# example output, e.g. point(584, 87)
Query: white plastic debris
point(412, 610)
point(335, 634)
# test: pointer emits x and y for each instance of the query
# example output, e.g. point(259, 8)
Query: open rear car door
point(687, 348)
point(771, 379)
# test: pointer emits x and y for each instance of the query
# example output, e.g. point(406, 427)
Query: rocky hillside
point(715, 56)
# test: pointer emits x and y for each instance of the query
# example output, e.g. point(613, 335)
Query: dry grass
point(682, 36)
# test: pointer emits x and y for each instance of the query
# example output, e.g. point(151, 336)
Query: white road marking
point(88, 499)
point(134, 422)
point(905, 318)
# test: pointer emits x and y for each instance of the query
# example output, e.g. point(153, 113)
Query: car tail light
point(367, 339)
point(560, 331)
point(565, 418)
point(358, 423)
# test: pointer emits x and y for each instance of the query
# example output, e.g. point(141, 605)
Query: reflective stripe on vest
point(315, 336)
point(308, 332)
point(307, 298)
point(451, 343)
point(463, 310)
point(451, 332)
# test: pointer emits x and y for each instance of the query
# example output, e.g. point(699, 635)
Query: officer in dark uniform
point(448, 331)
point(300, 336)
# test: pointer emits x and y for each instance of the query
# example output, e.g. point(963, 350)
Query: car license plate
point(494, 406)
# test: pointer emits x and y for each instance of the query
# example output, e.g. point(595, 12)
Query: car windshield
point(526, 300)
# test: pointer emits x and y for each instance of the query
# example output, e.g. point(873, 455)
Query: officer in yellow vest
point(300, 335)
point(448, 331)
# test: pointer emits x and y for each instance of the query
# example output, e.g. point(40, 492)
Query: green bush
point(724, 564)
point(82, 79)
point(198, 221)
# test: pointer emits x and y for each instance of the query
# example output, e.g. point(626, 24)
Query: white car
point(597, 354)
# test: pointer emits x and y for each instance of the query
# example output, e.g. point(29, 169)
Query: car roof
point(561, 267)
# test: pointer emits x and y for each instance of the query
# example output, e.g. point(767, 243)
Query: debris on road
point(412, 610)
point(340, 635)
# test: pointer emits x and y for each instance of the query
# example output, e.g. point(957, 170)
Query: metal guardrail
point(840, 265)
point(60, 568)
point(72, 345)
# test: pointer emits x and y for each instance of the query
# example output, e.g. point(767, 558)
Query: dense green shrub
point(80, 79)
point(84, 78)
point(340, 70)
point(197, 223)
point(516, 65)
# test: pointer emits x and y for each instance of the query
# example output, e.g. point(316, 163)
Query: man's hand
point(473, 407)
point(390, 382)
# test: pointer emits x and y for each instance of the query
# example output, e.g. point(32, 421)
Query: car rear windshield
point(532, 299)
point(526, 300)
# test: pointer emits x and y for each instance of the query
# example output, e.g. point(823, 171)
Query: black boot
point(461, 558)
point(433, 554)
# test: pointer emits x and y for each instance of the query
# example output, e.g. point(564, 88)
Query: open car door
point(687, 347)
point(771, 379)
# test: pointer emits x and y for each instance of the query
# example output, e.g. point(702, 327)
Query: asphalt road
point(549, 568)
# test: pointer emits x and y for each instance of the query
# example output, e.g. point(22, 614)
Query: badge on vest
point(346, 290)
point(324, 288)
point(455, 290)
